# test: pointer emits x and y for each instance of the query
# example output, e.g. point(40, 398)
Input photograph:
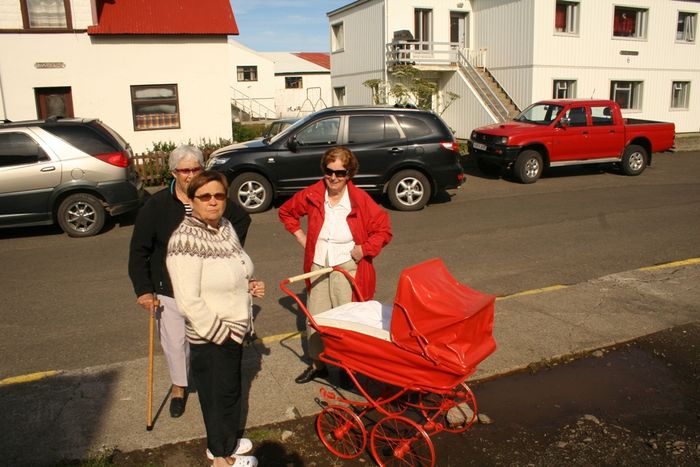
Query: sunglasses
point(206, 197)
point(193, 170)
point(337, 173)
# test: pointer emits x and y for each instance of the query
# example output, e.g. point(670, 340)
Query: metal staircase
point(251, 108)
point(496, 99)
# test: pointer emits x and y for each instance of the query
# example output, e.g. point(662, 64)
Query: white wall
point(315, 94)
point(100, 71)
point(262, 90)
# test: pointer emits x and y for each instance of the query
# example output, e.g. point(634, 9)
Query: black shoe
point(177, 406)
point(311, 373)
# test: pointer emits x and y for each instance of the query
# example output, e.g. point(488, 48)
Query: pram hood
point(444, 321)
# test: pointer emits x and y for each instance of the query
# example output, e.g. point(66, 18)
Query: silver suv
point(67, 171)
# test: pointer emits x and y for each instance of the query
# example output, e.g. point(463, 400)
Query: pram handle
point(309, 275)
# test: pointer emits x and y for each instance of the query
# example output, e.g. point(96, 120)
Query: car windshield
point(286, 131)
point(540, 114)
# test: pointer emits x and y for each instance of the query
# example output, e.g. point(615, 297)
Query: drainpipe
point(386, 37)
point(2, 99)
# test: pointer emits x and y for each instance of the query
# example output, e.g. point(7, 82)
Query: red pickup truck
point(562, 132)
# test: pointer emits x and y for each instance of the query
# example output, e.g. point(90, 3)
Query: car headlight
point(214, 161)
point(502, 140)
point(473, 137)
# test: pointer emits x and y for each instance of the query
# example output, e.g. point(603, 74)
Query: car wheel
point(409, 190)
point(252, 191)
point(81, 215)
point(528, 166)
point(488, 168)
point(634, 160)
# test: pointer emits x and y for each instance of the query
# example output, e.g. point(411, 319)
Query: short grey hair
point(184, 152)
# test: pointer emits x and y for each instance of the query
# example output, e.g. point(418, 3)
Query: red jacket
point(368, 222)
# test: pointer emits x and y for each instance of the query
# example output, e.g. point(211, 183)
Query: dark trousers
point(216, 370)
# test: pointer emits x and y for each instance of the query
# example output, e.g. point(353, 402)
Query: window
point(566, 17)
point(155, 106)
point(564, 89)
point(414, 127)
point(53, 102)
point(319, 133)
point(337, 37)
point(628, 94)
point(292, 82)
point(19, 149)
point(630, 22)
point(371, 129)
point(247, 73)
point(46, 14)
point(576, 116)
point(339, 95)
point(423, 27)
point(680, 94)
point(601, 116)
point(685, 30)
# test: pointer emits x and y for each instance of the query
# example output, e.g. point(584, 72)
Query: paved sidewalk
point(76, 413)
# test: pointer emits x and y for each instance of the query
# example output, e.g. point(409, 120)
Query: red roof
point(164, 17)
point(319, 59)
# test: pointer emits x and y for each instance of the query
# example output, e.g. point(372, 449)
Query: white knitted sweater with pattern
point(210, 272)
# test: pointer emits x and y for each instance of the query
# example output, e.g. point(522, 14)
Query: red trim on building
point(213, 17)
point(319, 59)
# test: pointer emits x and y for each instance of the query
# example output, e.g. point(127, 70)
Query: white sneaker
point(245, 461)
point(242, 446)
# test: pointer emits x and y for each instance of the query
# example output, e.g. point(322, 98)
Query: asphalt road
point(67, 303)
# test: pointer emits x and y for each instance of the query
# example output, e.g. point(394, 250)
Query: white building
point(152, 72)
point(644, 54)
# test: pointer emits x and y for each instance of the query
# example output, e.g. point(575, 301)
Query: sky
point(284, 25)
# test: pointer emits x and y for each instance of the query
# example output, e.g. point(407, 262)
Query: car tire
point(634, 160)
point(409, 190)
point(81, 215)
point(528, 166)
point(252, 192)
point(487, 168)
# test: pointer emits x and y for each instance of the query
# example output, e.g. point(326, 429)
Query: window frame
point(242, 70)
point(636, 90)
point(685, 95)
point(26, 22)
point(166, 123)
point(641, 22)
point(339, 94)
point(423, 26)
point(338, 37)
point(570, 88)
point(571, 17)
point(694, 25)
point(290, 79)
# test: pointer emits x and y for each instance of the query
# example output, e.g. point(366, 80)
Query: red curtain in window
point(624, 22)
point(560, 18)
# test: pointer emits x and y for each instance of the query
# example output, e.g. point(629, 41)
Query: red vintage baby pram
point(409, 361)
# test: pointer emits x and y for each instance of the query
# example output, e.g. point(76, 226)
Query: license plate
point(479, 146)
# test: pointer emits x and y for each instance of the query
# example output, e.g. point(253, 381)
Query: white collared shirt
point(335, 241)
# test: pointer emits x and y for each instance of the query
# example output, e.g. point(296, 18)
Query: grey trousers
point(171, 328)
point(327, 291)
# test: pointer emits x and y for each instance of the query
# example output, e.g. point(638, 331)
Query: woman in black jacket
point(156, 221)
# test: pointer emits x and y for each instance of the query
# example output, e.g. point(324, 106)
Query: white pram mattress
point(370, 318)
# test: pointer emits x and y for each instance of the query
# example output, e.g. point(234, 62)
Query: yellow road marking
point(551, 288)
point(28, 378)
point(673, 264)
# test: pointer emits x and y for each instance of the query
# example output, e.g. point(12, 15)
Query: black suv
point(69, 171)
point(409, 154)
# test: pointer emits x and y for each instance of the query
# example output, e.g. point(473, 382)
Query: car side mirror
point(292, 143)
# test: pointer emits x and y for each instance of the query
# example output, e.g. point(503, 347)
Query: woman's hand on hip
point(356, 253)
point(256, 288)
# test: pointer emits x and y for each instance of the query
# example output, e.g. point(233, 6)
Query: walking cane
point(151, 345)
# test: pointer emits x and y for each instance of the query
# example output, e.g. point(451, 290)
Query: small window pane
point(629, 22)
point(83, 138)
point(627, 94)
point(564, 89)
point(247, 73)
point(685, 30)
point(292, 82)
point(680, 94)
point(566, 17)
point(46, 14)
point(337, 37)
point(19, 149)
point(414, 127)
point(155, 107)
point(601, 116)
point(576, 116)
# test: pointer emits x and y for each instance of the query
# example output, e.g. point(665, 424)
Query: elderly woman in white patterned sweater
point(213, 282)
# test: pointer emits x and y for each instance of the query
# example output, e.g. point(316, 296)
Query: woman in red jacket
point(346, 228)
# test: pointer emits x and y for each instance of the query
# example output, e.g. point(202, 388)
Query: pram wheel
point(341, 431)
point(455, 411)
point(396, 440)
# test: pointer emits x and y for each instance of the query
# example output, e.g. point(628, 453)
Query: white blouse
point(335, 241)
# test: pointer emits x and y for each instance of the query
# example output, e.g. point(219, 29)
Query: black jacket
point(156, 221)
